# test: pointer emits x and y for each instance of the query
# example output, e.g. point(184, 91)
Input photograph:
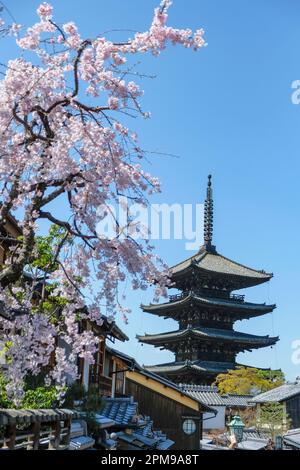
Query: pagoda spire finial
point(208, 217)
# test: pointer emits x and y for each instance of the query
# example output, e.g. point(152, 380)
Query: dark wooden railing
point(42, 428)
point(210, 293)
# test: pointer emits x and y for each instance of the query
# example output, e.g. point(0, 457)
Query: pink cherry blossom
point(113, 102)
point(66, 138)
point(45, 11)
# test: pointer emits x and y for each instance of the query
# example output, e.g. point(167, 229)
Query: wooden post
point(67, 424)
point(113, 385)
point(10, 436)
point(54, 440)
point(36, 421)
point(35, 429)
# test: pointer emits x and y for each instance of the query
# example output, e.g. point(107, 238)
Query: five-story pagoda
point(206, 343)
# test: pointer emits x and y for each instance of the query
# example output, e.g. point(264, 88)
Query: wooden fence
point(36, 429)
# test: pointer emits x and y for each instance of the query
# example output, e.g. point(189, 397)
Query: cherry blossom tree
point(64, 104)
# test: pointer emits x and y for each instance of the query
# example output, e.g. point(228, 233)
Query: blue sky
point(225, 110)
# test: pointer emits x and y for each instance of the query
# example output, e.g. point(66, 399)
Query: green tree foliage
point(40, 397)
point(46, 250)
point(4, 401)
point(273, 419)
point(272, 376)
point(44, 261)
point(248, 380)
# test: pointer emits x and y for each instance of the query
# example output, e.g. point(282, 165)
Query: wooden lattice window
point(96, 370)
point(120, 378)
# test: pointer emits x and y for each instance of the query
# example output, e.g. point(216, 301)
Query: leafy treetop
point(249, 380)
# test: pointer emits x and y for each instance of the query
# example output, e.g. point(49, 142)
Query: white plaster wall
point(217, 422)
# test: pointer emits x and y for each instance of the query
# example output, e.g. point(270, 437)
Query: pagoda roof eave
point(249, 341)
point(213, 302)
point(213, 263)
point(198, 366)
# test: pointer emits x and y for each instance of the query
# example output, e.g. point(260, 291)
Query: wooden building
point(175, 412)
point(205, 344)
point(8, 233)
point(102, 374)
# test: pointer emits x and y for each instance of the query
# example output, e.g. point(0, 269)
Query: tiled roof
point(111, 329)
point(135, 441)
point(211, 396)
point(213, 302)
point(120, 410)
point(81, 443)
point(292, 438)
point(235, 400)
point(253, 444)
point(253, 433)
point(123, 411)
point(252, 440)
point(138, 441)
point(209, 446)
point(79, 439)
point(130, 361)
point(156, 439)
point(216, 263)
point(278, 394)
point(197, 366)
point(249, 434)
point(103, 421)
point(147, 429)
point(207, 333)
point(205, 393)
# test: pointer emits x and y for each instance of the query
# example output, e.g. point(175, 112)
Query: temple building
point(205, 343)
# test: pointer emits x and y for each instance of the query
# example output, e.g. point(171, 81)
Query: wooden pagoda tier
point(207, 307)
point(209, 269)
point(192, 372)
point(206, 343)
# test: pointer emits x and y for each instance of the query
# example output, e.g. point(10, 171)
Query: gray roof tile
point(249, 434)
point(284, 392)
point(249, 308)
point(216, 333)
point(292, 438)
point(220, 264)
point(177, 367)
point(211, 396)
point(205, 393)
point(253, 444)
point(235, 400)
